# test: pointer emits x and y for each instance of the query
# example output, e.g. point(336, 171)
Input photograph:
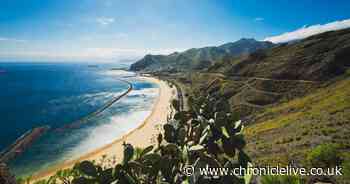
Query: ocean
point(56, 95)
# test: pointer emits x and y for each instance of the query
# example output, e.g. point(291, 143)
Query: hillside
point(268, 77)
point(197, 59)
point(292, 97)
point(319, 57)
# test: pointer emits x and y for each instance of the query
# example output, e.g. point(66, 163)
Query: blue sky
point(111, 30)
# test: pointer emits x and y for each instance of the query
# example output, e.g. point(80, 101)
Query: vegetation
point(346, 169)
point(281, 179)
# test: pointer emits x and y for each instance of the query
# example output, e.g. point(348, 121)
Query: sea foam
point(107, 133)
point(140, 104)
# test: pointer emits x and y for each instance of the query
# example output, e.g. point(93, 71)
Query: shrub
point(305, 132)
point(325, 156)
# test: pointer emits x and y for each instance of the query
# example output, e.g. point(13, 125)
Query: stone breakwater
point(77, 123)
point(22, 143)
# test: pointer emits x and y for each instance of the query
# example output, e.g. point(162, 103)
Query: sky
point(119, 30)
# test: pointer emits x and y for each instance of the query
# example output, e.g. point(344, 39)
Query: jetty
point(77, 123)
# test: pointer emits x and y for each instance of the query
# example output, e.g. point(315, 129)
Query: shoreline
point(139, 137)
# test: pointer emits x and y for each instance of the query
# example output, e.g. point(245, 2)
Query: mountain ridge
point(198, 58)
point(319, 57)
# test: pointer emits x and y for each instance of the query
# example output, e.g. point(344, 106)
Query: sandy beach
point(142, 136)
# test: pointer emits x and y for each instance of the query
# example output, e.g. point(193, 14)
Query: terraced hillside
point(286, 132)
point(249, 95)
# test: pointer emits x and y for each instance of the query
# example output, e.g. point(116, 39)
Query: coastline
point(139, 137)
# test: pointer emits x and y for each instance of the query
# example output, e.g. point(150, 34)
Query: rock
point(5, 176)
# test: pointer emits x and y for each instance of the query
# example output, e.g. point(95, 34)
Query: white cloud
point(3, 39)
point(307, 31)
point(258, 19)
point(105, 20)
